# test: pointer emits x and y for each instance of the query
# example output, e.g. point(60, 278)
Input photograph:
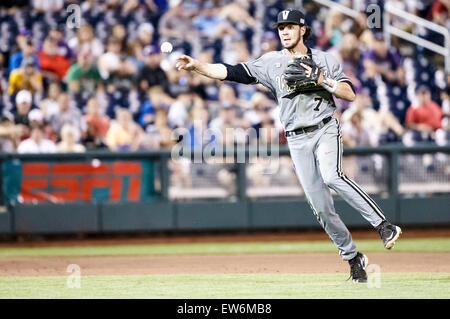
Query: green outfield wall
point(104, 192)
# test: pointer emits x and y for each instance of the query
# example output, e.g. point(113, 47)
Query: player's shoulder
point(271, 55)
point(323, 55)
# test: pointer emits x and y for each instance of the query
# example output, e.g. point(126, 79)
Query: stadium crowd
point(101, 82)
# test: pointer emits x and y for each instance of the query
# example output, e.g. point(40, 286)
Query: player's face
point(290, 35)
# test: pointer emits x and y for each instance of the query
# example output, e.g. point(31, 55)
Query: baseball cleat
point(389, 234)
point(358, 268)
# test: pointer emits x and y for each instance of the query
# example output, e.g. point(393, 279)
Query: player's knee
point(330, 180)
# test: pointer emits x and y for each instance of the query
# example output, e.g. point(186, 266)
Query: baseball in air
point(166, 47)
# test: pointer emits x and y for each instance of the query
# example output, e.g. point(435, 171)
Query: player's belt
point(308, 129)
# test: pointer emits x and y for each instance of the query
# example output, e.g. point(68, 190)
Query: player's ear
point(302, 30)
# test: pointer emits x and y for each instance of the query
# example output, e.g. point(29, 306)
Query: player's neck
point(299, 48)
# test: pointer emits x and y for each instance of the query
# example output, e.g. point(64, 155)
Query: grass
point(404, 245)
point(240, 286)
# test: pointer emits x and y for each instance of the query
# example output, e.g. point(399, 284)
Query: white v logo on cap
point(285, 14)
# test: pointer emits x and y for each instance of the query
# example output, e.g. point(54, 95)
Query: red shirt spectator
point(440, 11)
point(98, 124)
point(427, 115)
point(52, 62)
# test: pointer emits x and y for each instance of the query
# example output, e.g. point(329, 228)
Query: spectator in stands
point(270, 42)
point(57, 33)
point(354, 133)
point(253, 116)
point(116, 66)
point(210, 24)
point(207, 87)
point(237, 12)
point(152, 74)
point(120, 75)
point(47, 5)
point(69, 138)
point(27, 77)
point(440, 12)
point(22, 38)
point(268, 133)
point(145, 34)
point(227, 95)
point(384, 61)
point(424, 117)
point(158, 100)
point(176, 26)
point(445, 97)
point(97, 122)
point(119, 32)
point(124, 134)
point(67, 114)
point(135, 52)
point(196, 137)
point(165, 136)
point(109, 61)
point(443, 134)
point(97, 126)
point(36, 118)
point(23, 107)
point(227, 123)
point(178, 114)
point(9, 135)
point(49, 106)
point(83, 76)
point(239, 53)
point(3, 72)
point(37, 143)
point(333, 27)
point(27, 49)
point(54, 64)
point(179, 82)
point(382, 124)
point(348, 55)
point(361, 30)
point(85, 40)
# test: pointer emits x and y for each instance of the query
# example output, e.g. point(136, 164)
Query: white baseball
point(166, 47)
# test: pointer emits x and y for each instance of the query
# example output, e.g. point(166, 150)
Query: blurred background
point(87, 80)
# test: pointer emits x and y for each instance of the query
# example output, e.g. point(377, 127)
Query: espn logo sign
point(61, 182)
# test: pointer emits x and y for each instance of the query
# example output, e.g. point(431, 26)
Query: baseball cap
point(23, 96)
point(151, 49)
point(290, 16)
point(146, 27)
point(25, 32)
point(35, 115)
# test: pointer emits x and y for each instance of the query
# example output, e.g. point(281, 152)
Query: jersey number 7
point(319, 100)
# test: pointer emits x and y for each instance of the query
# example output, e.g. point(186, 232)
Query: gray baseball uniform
point(317, 155)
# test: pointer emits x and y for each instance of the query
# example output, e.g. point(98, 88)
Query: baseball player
point(304, 80)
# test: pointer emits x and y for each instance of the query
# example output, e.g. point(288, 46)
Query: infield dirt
point(224, 264)
point(296, 263)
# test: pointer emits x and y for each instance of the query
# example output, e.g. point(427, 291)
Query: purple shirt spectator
point(391, 60)
point(384, 61)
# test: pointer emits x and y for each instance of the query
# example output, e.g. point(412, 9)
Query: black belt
point(307, 129)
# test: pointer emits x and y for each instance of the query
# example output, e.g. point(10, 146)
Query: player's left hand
point(302, 73)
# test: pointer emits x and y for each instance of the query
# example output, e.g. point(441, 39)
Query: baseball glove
point(300, 74)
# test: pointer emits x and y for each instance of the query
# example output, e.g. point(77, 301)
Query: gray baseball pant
point(317, 157)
